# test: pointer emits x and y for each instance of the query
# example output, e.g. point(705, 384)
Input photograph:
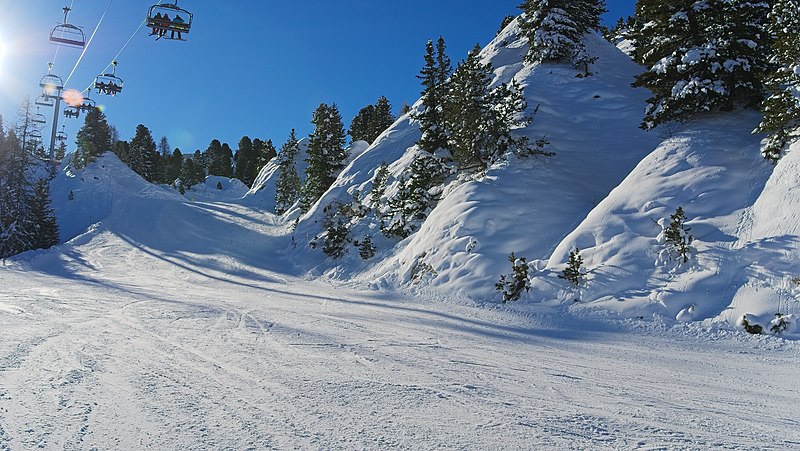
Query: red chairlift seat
point(180, 21)
point(68, 34)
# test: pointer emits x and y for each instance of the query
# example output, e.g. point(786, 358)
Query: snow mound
point(737, 216)
point(262, 194)
point(81, 198)
point(218, 188)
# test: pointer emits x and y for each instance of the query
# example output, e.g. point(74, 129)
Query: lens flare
point(73, 97)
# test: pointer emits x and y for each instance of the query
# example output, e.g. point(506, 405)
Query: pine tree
point(555, 28)
point(782, 107)
point(191, 174)
point(415, 197)
point(43, 218)
point(326, 154)
point(467, 106)
point(677, 236)
point(701, 56)
point(289, 184)
point(246, 161)
point(366, 250)
point(164, 148)
point(382, 120)
point(94, 138)
point(266, 151)
point(360, 126)
point(144, 157)
point(219, 157)
point(434, 76)
point(16, 229)
point(379, 185)
point(505, 23)
point(371, 121)
point(512, 284)
point(574, 272)
point(61, 151)
point(173, 166)
point(336, 231)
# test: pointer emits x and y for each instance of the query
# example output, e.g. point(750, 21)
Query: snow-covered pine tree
point(289, 184)
point(337, 231)
point(574, 272)
point(379, 185)
point(366, 250)
point(326, 154)
point(15, 221)
point(555, 28)
point(701, 56)
point(415, 197)
point(434, 76)
point(782, 107)
point(43, 218)
point(94, 138)
point(511, 285)
point(677, 236)
point(61, 151)
point(467, 107)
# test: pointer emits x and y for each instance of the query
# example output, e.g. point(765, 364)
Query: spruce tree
point(164, 148)
point(782, 107)
point(326, 154)
point(434, 76)
point(555, 28)
point(94, 138)
point(371, 121)
point(574, 272)
point(289, 184)
point(173, 166)
point(701, 56)
point(246, 161)
point(43, 218)
point(144, 156)
point(266, 152)
point(467, 107)
point(61, 151)
point(360, 126)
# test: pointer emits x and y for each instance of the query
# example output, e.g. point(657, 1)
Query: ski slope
point(179, 324)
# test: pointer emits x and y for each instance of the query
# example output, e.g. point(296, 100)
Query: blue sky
point(250, 67)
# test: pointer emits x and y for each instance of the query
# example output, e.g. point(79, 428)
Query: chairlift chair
point(87, 105)
point(35, 135)
point(109, 84)
point(68, 34)
point(51, 85)
point(61, 136)
point(161, 27)
point(38, 118)
point(72, 112)
point(44, 101)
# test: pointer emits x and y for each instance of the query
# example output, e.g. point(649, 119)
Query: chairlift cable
point(80, 58)
point(116, 57)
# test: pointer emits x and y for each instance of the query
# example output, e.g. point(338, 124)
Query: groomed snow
point(173, 324)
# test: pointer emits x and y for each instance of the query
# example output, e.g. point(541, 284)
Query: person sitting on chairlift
point(157, 24)
point(166, 22)
point(179, 23)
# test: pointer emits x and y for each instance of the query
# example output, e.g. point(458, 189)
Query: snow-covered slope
point(218, 188)
point(527, 206)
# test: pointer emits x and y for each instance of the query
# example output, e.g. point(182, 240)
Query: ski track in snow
point(185, 350)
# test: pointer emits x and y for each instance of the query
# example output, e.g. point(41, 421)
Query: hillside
point(522, 206)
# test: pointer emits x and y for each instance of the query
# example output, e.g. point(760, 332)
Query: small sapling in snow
point(677, 237)
point(512, 284)
point(574, 273)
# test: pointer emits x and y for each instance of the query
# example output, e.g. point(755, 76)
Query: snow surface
point(201, 322)
point(173, 324)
